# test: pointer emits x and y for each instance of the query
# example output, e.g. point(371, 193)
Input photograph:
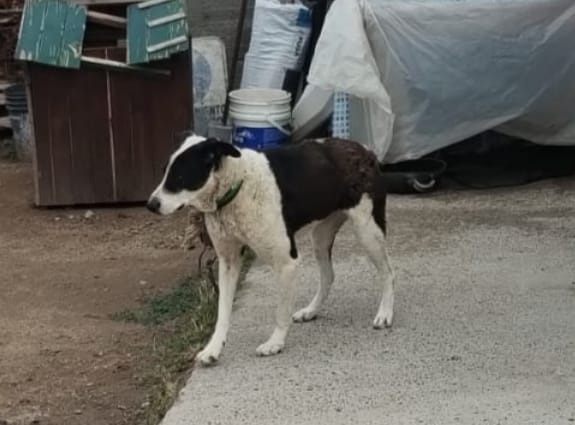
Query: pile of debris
point(10, 14)
point(4, 121)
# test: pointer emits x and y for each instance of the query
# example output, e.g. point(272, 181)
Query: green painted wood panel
point(73, 37)
point(29, 36)
point(52, 32)
point(153, 30)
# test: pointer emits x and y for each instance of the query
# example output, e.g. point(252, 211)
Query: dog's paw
point(269, 348)
point(207, 357)
point(383, 320)
point(304, 315)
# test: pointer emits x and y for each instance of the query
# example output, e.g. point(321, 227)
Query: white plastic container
point(279, 38)
point(261, 118)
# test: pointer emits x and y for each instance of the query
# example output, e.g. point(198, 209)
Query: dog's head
point(190, 176)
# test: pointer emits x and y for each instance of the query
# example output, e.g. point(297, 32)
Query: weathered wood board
point(52, 33)
point(156, 30)
point(102, 136)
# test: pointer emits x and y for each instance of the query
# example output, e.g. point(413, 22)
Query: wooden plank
point(10, 11)
point(29, 30)
point(72, 153)
point(121, 66)
point(164, 45)
point(103, 2)
point(160, 36)
point(42, 151)
point(72, 37)
point(94, 128)
point(91, 125)
point(26, 69)
point(167, 32)
point(106, 19)
point(166, 19)
point(146, 116)
point(150, 3)
point(46, 138)
point(136, 36)
point(52, 32)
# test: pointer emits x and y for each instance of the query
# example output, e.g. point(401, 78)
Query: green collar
point(229, 195)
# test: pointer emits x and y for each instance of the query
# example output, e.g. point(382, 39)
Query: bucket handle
point(277, 126)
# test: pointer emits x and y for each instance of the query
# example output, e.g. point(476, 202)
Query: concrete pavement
point(484, 330)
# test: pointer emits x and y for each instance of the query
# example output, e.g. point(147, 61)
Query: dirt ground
point(62, 359)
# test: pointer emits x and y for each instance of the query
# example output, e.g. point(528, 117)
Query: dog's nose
point(153, 205)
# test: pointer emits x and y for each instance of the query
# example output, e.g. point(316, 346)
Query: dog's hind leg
point(285, 271)
point(229, 266)
point(323, 237)
point(371, 235)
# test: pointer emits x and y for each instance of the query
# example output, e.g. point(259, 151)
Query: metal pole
point(189, 13)
point(236, 56)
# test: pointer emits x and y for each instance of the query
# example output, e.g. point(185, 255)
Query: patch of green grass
point(189, 294)
point(181, 321)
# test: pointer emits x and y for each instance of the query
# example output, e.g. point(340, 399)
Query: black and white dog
point(261, 199)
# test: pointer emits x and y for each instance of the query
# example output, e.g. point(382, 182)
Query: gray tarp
point(434, 72)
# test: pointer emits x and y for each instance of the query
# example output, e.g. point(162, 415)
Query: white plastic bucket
point(261, 118)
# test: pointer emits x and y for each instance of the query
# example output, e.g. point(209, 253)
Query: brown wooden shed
point(101, 135)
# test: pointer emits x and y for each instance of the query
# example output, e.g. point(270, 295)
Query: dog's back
point(317, 178)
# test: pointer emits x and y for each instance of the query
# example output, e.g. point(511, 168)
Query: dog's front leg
point(286, 299)
point(229, 266)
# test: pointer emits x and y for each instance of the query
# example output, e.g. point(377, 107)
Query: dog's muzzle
point(154, 205)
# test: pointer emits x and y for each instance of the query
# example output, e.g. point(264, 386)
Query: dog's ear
point(226, 149)
point(218, 149)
